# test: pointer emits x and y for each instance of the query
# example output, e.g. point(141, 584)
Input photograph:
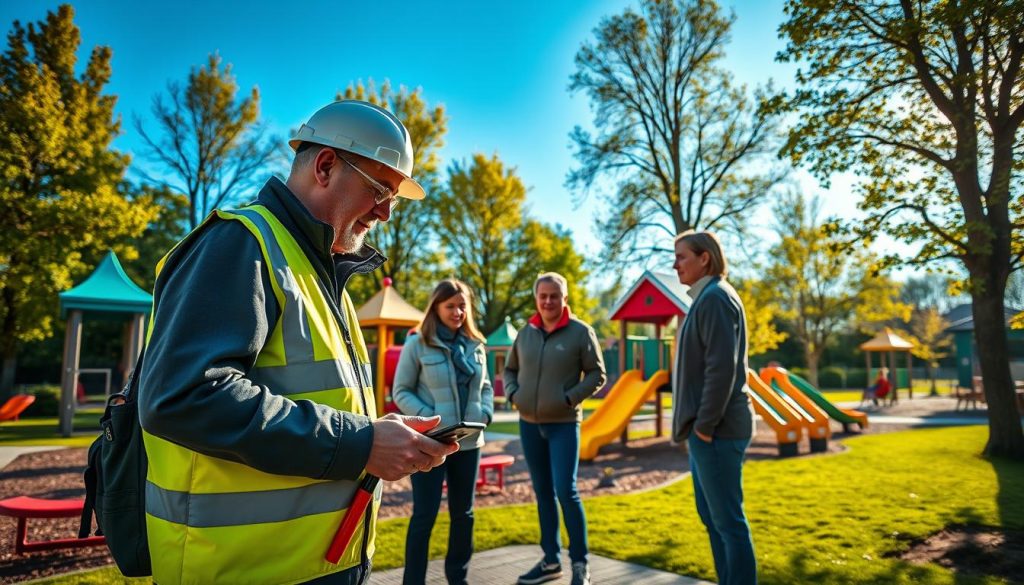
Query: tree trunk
point(931, 377)
point(812, 367)
point(8, 347)
point(7, 378)
point(1006, 438)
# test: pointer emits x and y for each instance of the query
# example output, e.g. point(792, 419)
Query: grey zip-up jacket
point(548, 375)
point(214, 311)
point(425, 385)
point(709, 390)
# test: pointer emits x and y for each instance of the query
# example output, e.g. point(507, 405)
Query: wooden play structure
point(886, 344)
point(387, 312)
point(655, 299)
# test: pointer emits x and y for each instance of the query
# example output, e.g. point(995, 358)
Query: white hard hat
point(367, 130)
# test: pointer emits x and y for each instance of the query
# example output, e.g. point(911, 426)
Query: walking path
point(501, 566)
point(8, 454)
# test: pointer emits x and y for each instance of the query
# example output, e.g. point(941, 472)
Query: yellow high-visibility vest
point(211, 520)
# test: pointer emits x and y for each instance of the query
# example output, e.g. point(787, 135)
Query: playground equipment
point(622, 402)
point(107, 293)
point(499, 344)
point(812, 417)
point(387, 311)
point(776, 413)
point(845, 416)
point(656, 298)
point(886, 344)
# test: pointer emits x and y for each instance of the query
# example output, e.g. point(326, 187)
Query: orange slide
point(812, 417)
point(776, 413)
point(623, 401)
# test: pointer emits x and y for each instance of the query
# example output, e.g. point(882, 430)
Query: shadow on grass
point(1010, 498)
point(803, 568)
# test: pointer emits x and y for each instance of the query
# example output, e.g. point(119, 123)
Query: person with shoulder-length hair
point(443, 372)
point(712, 409)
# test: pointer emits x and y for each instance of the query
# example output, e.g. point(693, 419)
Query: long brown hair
point(445, 290)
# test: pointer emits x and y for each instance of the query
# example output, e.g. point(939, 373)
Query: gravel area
point(642, 464)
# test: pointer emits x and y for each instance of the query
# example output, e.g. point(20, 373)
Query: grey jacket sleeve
point(592, 361)
point(214, 311)
point(510, 376)
point(407, 375)
point(718, 334)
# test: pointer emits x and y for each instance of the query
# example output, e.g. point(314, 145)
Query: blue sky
point(501, 69)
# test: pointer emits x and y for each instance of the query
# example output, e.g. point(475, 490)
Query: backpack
point(115, 482)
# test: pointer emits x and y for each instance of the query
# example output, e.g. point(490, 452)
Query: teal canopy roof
point(503, 336)
point(108, 289)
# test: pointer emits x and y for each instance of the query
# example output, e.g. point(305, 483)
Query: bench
point(497, 463)
point(24, 507)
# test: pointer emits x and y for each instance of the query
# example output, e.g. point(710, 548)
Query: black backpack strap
point(85, 525)
point(93, 463)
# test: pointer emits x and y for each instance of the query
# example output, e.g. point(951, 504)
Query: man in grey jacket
point(555, 364)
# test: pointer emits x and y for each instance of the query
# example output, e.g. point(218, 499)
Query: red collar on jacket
point(537, 322)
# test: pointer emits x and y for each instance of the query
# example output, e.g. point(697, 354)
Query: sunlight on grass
point(824, 519)
point(45, 431)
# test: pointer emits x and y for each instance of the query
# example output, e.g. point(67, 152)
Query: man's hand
point(400, 448)
point(700, 436)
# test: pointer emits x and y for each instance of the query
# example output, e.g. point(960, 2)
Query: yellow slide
point(623, 401)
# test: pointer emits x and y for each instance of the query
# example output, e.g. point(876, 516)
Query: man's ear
point(323, 164)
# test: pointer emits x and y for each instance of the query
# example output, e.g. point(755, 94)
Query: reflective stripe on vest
point(214, 520)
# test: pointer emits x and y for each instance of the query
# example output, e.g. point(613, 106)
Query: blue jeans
point(717, 469)
point(552, 454)
point(460, 468)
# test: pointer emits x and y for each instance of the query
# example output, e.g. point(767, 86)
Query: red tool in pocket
point(356, 510)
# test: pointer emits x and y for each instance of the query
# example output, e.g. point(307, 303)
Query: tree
point(407, 239)
point(210, 143)
point(59, 203)
point(163, 232)
point(929, 290)
point(497, 249)
point(925, 99)
point(821, 287)
point(762, 312)
point(931, 342)
point(686, 148)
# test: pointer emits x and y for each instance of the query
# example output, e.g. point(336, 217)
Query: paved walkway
point(8, 454)
point(501, 566)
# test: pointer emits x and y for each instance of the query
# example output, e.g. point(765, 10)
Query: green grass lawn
point(44, 431)
point(826, 519)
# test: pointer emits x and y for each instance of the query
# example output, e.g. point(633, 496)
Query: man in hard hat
point(255, 396)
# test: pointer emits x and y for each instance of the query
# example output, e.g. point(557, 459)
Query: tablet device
point(455, 432)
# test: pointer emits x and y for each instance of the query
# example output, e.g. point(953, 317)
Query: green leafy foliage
point(821, 287)
point(762, 313)
point(161, 234)
point(931, 342)
point(209, 141)
point(498, 249)
point(680, 146)
point(60, 208)
point(925, 101)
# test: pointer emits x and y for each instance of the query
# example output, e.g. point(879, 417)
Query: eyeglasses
point(381, 192)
